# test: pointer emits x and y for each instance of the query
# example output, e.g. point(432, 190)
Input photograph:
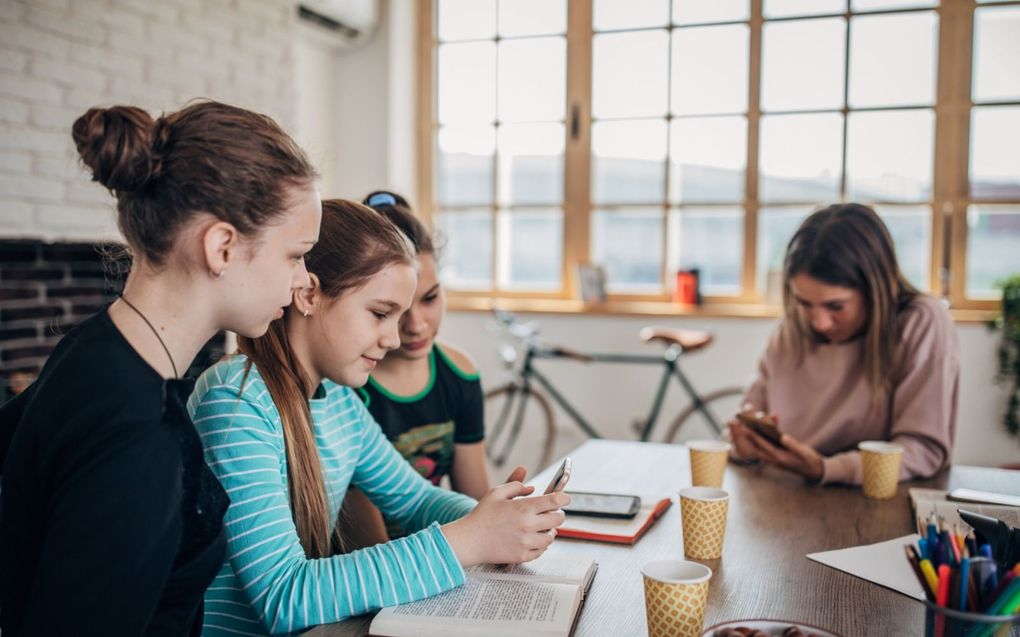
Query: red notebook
point(613, 530)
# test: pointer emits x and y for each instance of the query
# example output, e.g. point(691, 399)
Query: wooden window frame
point(950, 180)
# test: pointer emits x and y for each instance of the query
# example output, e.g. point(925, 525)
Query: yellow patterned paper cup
point(880, 464)
point(708, 462)
point(703, 516)
point(675, 596)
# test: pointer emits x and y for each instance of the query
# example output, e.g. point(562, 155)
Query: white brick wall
point(60, 57)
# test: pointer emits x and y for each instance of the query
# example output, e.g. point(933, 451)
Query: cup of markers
point(967, 594)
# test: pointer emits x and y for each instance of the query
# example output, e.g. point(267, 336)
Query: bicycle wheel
point(721, 403)
point(520, 427)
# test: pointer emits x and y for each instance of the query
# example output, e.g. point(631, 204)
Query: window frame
point(949, 200)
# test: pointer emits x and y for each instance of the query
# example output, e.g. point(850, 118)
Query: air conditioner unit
point(353, 19)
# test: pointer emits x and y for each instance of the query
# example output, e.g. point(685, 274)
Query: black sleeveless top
point(424, 427)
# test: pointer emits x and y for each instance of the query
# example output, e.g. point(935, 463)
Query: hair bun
point(116, 144)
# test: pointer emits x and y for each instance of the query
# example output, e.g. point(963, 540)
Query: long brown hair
point(848, 245)
point(355, 243)
point(207, 157)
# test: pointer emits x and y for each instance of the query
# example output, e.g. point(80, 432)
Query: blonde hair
point(355, 243)
point(848, 245)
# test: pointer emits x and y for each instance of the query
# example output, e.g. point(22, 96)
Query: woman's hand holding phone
point(506, 528)
point(782, 450)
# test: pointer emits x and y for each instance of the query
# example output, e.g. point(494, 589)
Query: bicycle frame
point(669, 359)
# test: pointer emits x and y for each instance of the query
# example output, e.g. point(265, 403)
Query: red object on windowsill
point(686, 290)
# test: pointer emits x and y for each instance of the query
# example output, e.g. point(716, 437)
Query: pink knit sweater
point(826, 401)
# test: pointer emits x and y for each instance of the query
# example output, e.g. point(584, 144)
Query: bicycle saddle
point(688, 340)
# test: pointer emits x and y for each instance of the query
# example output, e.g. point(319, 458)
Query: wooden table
point(774, 521)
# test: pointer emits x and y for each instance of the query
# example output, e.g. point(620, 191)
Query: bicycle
point(515, 396)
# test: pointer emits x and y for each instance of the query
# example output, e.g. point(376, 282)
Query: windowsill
point(651, 308)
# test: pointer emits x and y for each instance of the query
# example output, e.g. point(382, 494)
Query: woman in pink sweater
point(860, 355)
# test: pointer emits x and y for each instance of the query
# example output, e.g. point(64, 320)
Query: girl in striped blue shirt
point(286, 435)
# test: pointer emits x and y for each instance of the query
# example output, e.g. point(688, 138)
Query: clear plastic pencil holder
point(947, 622)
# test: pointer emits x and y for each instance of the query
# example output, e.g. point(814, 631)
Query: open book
point(542, 597)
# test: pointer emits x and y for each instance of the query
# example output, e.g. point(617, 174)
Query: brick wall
point(60, 57)
point(47, 288)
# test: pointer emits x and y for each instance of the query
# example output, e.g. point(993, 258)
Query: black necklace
point(154, 331)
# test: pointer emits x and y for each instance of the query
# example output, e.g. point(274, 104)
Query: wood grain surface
point(775, 519)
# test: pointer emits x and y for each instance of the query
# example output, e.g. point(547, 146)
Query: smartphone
point(559, 480)
point(603, 505)
point(762, 424)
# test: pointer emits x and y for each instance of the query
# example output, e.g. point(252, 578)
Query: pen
point(922, 547)
point(1008, 602)
point(1006, 579)
point(971, 544)
point(972, 596)
point(964, 582)
point(929, 575)
point(1011, 603)
point(985, 579)
point(945, 553)
point(942, 598)
point(916, 567)
point(954, 588)
point(960, 541)
point(953, 545)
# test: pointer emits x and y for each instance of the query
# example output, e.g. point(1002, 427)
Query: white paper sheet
point(884, 564)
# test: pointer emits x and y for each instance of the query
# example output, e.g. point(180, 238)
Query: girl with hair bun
point(860, 355)
point(112, 523)
point(287, 435)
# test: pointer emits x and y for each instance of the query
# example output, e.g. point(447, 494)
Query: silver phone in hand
point(559, 480)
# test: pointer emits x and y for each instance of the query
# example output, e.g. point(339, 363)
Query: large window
point(647, 136)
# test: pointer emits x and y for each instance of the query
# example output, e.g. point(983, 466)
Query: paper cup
point(708, 462)
point(703, 515)
point(880, 464)
point(675, 596)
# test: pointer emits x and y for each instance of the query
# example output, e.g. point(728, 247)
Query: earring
point(217, 275)
point(306, 313)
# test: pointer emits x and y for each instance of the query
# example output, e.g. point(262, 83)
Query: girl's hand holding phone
point(506, 528)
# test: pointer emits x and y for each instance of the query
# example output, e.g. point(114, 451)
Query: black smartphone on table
point(602, 505)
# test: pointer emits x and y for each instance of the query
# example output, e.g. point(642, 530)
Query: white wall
point(60, 57)
point(357, 107)
point(316, 93)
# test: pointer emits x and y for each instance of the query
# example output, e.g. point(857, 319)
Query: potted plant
point(1008, 322)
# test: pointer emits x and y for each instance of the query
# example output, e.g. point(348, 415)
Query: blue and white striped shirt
point(267, 585)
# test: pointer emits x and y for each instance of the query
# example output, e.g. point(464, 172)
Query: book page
point(547, 568)
point(485, 606)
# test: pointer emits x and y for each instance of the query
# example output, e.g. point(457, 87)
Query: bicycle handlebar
point(524, 331)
